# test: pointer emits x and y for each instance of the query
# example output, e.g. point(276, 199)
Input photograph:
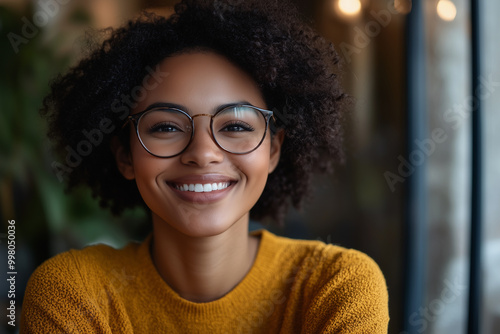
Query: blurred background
point(403, 197)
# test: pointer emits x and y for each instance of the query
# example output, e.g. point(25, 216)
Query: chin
point(200, 221)
point(206, 226)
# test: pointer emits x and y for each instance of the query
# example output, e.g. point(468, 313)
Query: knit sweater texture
point(294, 286)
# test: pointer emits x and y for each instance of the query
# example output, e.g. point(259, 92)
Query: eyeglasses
point(166, 132)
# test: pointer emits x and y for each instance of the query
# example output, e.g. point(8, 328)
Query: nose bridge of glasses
point(200, 115)
point(208, 126)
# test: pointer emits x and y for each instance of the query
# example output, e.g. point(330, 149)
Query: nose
point(202, 151)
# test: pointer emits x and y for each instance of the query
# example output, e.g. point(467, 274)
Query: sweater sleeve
point(351, 298)
point(56, 300)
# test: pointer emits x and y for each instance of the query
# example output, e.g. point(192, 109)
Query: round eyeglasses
point(166, 132)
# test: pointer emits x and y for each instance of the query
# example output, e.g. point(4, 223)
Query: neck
point(203, 269)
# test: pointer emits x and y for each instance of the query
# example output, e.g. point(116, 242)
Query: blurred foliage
point(48, 219)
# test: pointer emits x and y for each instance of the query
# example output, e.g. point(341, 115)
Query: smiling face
point(204, 190)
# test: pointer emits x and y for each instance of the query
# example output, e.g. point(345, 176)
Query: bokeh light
point(446, 10)
point(349, 7)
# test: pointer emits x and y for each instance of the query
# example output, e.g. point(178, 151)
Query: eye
point(237, 126)
point(164, 127)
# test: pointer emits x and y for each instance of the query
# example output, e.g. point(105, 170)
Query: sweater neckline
point(253, 280)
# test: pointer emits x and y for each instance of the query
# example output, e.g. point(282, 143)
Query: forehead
point(201, 81)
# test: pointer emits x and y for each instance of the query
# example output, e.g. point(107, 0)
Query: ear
point(276, 142)
point(123, 159)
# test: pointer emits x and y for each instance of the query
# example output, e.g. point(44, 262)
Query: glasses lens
point(165, 132)
point(239, 129)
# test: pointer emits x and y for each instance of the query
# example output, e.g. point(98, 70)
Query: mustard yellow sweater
point(294, 286)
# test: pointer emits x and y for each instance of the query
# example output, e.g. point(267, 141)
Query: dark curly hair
point(294, 67)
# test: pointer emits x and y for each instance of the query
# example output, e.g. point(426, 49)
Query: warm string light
point(349, 7)
point(446, 10)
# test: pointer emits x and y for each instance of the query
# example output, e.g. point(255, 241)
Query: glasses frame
point(135, 119)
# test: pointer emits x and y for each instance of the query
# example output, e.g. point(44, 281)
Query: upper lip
point(202, 179)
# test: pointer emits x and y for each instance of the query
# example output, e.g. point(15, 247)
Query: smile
point(202, 188)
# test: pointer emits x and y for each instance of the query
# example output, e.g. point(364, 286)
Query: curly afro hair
point(294, 67)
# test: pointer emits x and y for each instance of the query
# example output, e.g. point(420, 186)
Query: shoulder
point(92, 259)
point(88, 271)
point(339, 289)
point(327, 259)
point(74, 285)
point(78, 272)
point(349, 264)
point(351, 276)
point(349, 294)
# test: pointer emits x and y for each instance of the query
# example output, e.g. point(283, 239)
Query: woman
point(212, 116)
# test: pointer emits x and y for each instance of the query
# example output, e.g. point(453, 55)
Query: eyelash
point(156, 127)
point(243, 125)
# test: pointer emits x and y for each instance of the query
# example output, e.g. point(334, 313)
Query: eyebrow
point(186, 109)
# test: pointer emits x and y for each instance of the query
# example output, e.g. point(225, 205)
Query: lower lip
point(202, 197)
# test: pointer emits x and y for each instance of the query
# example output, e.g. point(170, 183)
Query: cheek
point(146, 166)
point(256, 166)
point(148, 170)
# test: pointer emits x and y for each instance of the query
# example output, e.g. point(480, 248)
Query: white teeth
point(199, 188)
